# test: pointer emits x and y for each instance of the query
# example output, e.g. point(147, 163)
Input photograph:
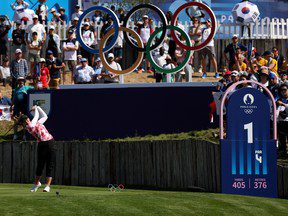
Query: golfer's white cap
point(52, 10)
point(52, 27)
point(235, 36)
point(76, 18)
point(145, 16)
point(86, 23)
point(42, 60)
point(35, 16)
point(110, 55)
point(18, 51)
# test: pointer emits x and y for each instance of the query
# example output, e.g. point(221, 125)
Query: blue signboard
point(248, 155)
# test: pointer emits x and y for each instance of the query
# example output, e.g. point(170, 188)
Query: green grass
point(16, 200)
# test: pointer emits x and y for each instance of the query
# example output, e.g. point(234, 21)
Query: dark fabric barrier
point(117, 111)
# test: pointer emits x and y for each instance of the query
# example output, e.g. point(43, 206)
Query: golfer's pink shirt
point(39, 131)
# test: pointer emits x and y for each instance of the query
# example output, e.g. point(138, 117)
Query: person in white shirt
point(70, 47)
point(84, 73)
point(35, 46)
point(19, 9)
point(88, 38)
point(77, 13)
point(36, 27)
point(208, 50)
point(160, 60)
point(168, 66)
point(108, 76)
point(145, 29)
point(5, 74)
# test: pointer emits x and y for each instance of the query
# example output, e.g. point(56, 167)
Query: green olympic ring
point(151, 59)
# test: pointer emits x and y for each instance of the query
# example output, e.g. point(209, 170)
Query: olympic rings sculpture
point(115, 187)
point(149, 47)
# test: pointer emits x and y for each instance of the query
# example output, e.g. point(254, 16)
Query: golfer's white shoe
point(35, 187)
point(46, 189)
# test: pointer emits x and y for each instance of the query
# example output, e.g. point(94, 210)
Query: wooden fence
point(181, 165)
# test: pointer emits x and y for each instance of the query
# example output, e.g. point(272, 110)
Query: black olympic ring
point(164, 25)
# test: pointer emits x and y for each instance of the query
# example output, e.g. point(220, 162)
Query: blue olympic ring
point(115, 23)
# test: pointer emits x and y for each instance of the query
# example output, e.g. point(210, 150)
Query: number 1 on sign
point(249, 128)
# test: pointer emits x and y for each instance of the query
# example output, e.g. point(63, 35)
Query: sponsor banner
point(42, 99)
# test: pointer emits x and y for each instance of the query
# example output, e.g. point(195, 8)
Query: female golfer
point(46, 148)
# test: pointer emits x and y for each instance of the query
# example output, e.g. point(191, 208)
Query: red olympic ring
point(121, 187)
point(213, 29)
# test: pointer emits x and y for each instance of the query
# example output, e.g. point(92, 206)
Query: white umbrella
point(245, 12)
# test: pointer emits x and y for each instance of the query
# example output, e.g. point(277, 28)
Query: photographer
point(282, 111)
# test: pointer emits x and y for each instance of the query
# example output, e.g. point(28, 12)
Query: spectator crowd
point(43, 57)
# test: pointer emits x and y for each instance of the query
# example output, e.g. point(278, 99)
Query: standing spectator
point(231, 49)
point(168, 66)
point(70, 47)
point(160, 60)
point(35, 46)
point(77, 12)
point(19, 9)
point(278, 57)
point(118, 48)
point(4, 100)
point(53, 42)
point(18, 36)
point(3, 36)
point(108, 76)
point(19, 68)
point(145, 30)
point(36, 27)
point(88, 39)
point(180, 55)
point(42, 12)
point(97, 70)
point(44, 78)
point(54, 65)
point(121, 15)
point(63, 18)
point(73, 26)
point(84, 73)
point(195, 33)
point(106, 27)
point(282, 104)
point(272, 63)
point(5, 74)
point(55, 16)
point(97, 18)
point(208, 50)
